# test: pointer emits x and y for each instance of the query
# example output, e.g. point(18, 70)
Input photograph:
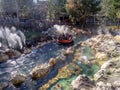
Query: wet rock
point(58, 87)
point(3, 85)
point(40, 71)
point(82, 82)
point(26, 51)
point(85, 60)
point(62, 57)
point(58, 58)
point(3, 57)
point(68, 51)
point(52, 62)
point(78, 54)
point(13, 53)
point(18, 79)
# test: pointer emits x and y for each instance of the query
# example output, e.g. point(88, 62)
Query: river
point(26, 63)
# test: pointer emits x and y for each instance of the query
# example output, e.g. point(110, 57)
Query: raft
point(65, 41)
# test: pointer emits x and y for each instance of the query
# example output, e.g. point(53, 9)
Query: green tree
point(25, 7)
point(55, 7)
point(79, 10)
point(111, 8)
point(114, 11)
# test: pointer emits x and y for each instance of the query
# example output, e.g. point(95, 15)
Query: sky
point(35, 1)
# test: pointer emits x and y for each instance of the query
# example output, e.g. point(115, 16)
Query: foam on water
point(11, 38)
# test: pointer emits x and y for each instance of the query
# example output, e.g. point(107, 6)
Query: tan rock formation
point(18, 79)
point(40, 71)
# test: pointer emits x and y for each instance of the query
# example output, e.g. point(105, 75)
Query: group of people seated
point(65, 37)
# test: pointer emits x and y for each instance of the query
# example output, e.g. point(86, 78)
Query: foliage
point(111, 8)
point(25, 7)
point(79, 10)
point(56, 7)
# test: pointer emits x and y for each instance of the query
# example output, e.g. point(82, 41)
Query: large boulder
point(13, 53)
point(3, 57)
point(18, 79)
point(82, 82)
point(3, 85)
point(107, 64)
point(104, 86)
point(40, 71)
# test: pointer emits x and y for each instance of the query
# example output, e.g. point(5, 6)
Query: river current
point(26, 63)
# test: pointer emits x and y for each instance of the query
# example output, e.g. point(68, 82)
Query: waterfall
point(11, 38)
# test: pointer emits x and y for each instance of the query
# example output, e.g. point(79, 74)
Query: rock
point(26, 51)
point(107, 65)
point(52, 62)
point(99, 74)
point(63, 51)
point(109, 71)
point(117, 70)
point(101, 56)
point(116, 83)
point(3, 85)
point(68, 51)
point(40, 71)
point(3, 57)
point(13, 53)
point(58, 58)
point(117, 38)
point(58, 87)
point(18, 79)
point(102, 43)
point(82, 82)
point(85, 59)
point(100, 84)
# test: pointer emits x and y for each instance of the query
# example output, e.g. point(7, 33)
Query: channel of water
point(26, 63)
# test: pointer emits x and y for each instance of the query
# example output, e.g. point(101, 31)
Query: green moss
point(89, 70)
point(64, 83)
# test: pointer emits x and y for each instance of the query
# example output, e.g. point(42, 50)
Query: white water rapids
point(11, 38)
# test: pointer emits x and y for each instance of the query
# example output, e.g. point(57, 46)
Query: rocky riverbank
point(103, 50)
point(30, 45)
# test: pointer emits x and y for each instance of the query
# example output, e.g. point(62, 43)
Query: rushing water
point(26, 63)
point(11, 38)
